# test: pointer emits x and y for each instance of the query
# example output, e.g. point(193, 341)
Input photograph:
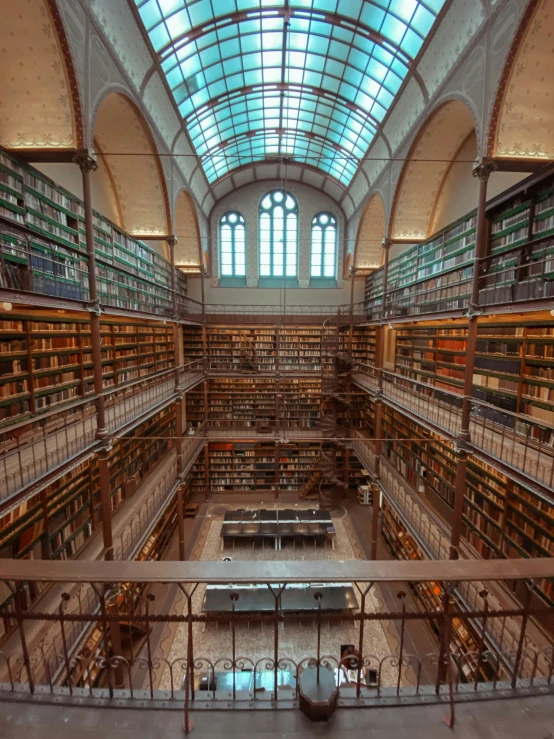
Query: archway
point(369, 252)
point(39, 96)
point(125, 143)
point(434, 149)
point(522, 124)
point(188, 254)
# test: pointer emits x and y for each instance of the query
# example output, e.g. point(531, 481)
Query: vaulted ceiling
point(307, 80)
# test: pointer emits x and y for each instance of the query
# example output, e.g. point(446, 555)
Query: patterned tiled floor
point(296, 640)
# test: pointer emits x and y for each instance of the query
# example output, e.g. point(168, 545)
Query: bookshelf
point(260, 349)
point(57, 522)
point(242, 349)
point(43, 244)
point(433, 354)
point(193, 343)
point(435, 275)
point(364, 345)
point(514, 371)
point(46, 360)
point(373, 294)
point(427, 462)
point(429, 596)
point(261, 466)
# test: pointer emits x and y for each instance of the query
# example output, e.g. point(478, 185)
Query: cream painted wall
point(460, 189)
point(262, 296)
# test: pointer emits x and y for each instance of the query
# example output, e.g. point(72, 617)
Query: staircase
point(310, 490)
point(333, 369)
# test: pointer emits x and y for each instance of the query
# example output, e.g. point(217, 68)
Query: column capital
point(104, 449)
point(86, 160)
point(484, 169)
point(386, 243)
point(172, 241)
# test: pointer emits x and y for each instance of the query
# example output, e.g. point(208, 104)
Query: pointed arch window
point(324, 246)
point(232, 245)
point(278, 235)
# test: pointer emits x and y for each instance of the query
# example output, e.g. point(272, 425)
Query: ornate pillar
point(482, 172)
point(181, 520)
point(87, 163)
point(105, 498)
point(379, 356)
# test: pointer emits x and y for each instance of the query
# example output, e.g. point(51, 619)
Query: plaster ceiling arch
point(427, 164)
point(125, 142)
point(522, 121)
point(39, 94)
point(188, 251)
point(368, 252)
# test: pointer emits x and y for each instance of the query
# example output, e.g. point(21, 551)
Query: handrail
point(303, 571)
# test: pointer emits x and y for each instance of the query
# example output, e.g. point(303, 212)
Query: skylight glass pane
point(327, 67)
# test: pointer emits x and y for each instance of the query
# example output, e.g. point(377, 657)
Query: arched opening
point(124, 142)
point(188, 252)
point(39, 97)
point(522, 124)
point(434, 149)
point(369, 251)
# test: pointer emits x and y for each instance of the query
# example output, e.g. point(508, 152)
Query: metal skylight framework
point(311, 80)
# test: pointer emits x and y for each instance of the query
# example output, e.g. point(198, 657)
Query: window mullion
point(234, 249)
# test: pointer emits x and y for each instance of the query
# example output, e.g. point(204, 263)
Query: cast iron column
point(482, 172)
point(87, 163)
point(379, 356)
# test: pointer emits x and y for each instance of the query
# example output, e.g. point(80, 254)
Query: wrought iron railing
point(99, 603)
point(40, 445)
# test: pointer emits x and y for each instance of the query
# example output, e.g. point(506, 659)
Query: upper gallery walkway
point(511, 440)
point(53, 442)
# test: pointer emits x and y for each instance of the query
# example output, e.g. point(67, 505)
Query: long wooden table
point(277, 525)
point(295, 598)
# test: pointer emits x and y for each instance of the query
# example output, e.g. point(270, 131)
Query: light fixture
point(7, 306)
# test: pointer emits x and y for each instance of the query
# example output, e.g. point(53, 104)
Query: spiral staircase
point(334, 370)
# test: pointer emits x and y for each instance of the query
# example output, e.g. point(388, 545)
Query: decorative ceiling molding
point(428, 160)
point(368, 253)
point(132, 159)
point(39, 95)
point(522, 124)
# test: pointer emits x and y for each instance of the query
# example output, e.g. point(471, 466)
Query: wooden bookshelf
point(193, 344)
point(260, 466)
point(433, 354)
point(427, 462)
point(56, 522)
point(429, 596)
point(43, 247)
point(259, 349)
point(46, 360)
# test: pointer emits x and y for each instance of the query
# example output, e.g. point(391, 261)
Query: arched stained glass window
point(278, 235)
point(232, 245)
point(324, 246)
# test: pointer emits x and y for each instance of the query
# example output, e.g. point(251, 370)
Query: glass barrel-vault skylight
point(311, 80)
